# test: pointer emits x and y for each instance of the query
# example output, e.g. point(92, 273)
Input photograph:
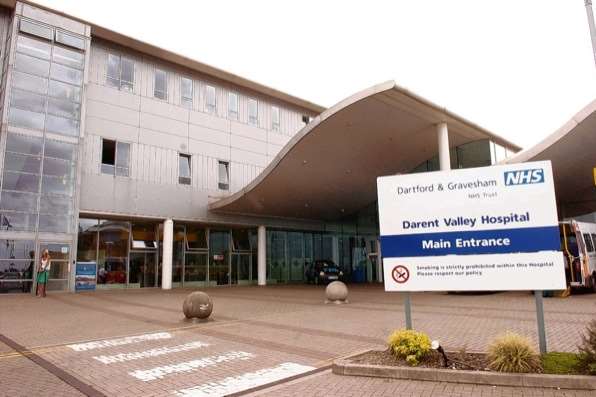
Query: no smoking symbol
point(400, 274)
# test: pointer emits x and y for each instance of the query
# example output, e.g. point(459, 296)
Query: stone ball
point(197, 304)
point(336, 292)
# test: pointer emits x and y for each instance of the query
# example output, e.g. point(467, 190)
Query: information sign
point(490, 228)
point(85, 276)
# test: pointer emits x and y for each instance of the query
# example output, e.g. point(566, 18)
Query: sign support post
point(408, 310)
point(540, 321)
point(476, 229)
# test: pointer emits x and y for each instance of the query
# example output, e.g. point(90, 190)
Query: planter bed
point(383, 364)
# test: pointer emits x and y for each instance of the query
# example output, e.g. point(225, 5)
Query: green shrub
point(587, 350)
point(559, 363)
point(409, 345)
point(513, 353)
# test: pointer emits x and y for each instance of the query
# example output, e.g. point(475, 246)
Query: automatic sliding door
point(142, 269)
point(296, 255)
point(241, 268)
point(195, 269)
point(219, 257)
point(59, 269)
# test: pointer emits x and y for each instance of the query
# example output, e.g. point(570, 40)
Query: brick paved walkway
point(20, 376)
point(329, 385)
point(144, 346)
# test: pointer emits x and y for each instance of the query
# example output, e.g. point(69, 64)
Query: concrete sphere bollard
point(336, 292)
point(197, 304)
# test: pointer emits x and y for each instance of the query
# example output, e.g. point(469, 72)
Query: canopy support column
point(262, 255)
point(168, 245)
point(443, 139)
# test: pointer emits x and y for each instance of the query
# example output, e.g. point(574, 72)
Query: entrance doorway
point(241, 264)
point(219, 257)
point(60, 268)
point(195, 269)
point(143, 269)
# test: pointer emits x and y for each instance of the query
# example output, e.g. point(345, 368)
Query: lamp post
point(590, 14)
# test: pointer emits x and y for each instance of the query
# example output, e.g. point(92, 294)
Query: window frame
point(115, 166)
point(252, 121)
point(210, 108)
point(275, 124)
point(123, 85)
point(183, 180)
point(220, 185)
point(234, 115)
point(588, 242)
point(155, 91)
point(184, 100)
point(27, 30)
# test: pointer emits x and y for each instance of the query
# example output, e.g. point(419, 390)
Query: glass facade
point(46, 89)
point(480, 153)
point(38, 179)
point(17, 265)
point(38, 188)
point(129, 254)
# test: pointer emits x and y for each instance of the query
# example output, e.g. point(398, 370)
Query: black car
point(323, 272)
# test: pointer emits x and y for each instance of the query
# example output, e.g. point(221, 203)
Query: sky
point(519, 68)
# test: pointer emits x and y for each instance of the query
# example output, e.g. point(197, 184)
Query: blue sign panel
point(85, 276)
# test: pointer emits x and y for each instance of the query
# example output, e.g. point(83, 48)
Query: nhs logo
point(524, 177)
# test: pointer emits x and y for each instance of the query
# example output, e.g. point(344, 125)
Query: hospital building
point(162, 171)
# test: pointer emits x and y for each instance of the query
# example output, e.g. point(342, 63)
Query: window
point(498, 152)
point(32, 65)
point(253, 112)
point(186, 90)
point(184, 169)
point(143, 236)
point(210, 102)
point(160, 89)
point(35, 29)
point(16, 263)
point(70, 40)
point(68, 57)
point(233, 105)
point(121, 72)
point(115, 157)
point(274, 118)
point(196, 238)
point(241, 239)
point(33, 47)
point(224, 175)
point(306, 119)
point(588, 240)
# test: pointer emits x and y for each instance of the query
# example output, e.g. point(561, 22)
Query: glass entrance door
point(372, 264)
point(219, 257)
point(59, 268)
point(241, 268)
point(143, 269)
point(296, 256)
point(195, 269)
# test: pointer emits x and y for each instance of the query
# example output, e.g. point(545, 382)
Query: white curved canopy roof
point(329, 168)
point(572, 151)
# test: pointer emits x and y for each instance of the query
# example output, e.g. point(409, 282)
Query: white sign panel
point(490, 228)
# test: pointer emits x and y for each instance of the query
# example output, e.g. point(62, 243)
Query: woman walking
point(42, 274)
